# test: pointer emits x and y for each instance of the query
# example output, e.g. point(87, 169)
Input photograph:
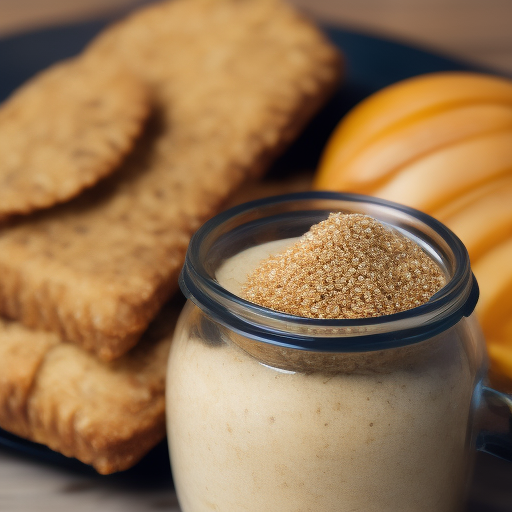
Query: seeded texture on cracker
point(64, 130)
point(233, 82)
point(107, 415)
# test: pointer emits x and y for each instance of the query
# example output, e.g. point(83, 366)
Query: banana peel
point(444, 175)
point(401, 104)
point(481, 218)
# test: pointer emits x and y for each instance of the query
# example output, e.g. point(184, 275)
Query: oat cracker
point(233, 82)
point(64, 130)
point(107, 415)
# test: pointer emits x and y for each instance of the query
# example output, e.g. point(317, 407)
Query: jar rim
point(457, 299)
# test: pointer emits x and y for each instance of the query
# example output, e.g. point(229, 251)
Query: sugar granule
point(348, 266)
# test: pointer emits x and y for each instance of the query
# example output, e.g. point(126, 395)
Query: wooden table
point(471, 30)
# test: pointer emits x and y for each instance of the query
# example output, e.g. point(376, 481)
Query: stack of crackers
point(108, 164)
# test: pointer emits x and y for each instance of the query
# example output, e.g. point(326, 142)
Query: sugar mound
point(348, 266)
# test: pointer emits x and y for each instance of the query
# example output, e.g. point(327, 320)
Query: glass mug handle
point(495, 436)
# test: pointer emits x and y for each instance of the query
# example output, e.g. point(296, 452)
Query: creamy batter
point(247, 437)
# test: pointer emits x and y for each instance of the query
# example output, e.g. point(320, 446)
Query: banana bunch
point(442, 143)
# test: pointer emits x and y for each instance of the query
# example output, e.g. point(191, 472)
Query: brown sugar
point(348, 266)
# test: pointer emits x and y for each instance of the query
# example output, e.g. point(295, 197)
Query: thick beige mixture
point(246, 437)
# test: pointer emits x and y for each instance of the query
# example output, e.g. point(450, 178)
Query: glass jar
point(276, 413)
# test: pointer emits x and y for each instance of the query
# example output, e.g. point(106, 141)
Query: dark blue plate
point(371, 63)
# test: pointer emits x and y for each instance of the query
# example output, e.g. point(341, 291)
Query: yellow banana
point(482, 218)
point(402, 103)
point(494, 274)
point(446, 174)
point(405, 143)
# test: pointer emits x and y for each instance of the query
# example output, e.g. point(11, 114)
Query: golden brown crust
point(105, 414)
point(64, 130)
point(21, 354)
point(233, 83)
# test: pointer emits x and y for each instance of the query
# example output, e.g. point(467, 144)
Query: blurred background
point(477, 31)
